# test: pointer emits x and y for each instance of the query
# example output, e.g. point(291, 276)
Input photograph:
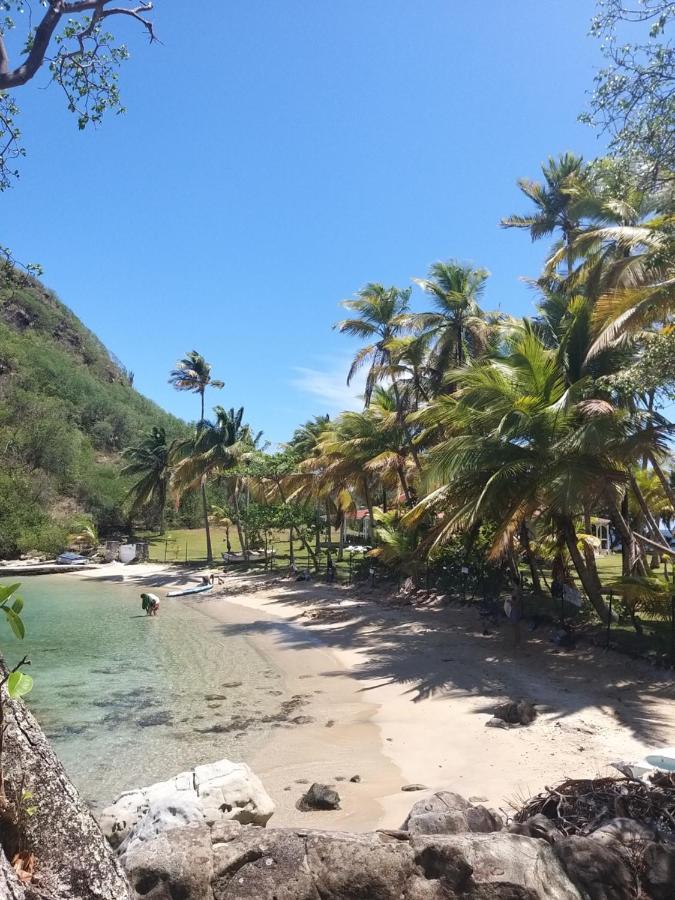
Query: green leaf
point(6, 591)
point(15, 622)
point(19, 684)
point(17, 606)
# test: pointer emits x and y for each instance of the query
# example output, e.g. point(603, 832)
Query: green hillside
point(67, 409)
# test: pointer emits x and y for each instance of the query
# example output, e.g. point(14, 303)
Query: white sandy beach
point(401, 696)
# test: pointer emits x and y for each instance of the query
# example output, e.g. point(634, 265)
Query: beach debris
point(355, 779)
point(513, 713)
point(582, 806)
point(319, 796)
point(414, 787)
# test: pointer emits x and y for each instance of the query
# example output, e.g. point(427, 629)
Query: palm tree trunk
point(328, 525)
point(527, 547)
point(661, 475)
point(647, 513)
point(369, 504)
point(631, 553)
point(207, 529)
point(587, 571)
point(341, 539)
point(404, 484)
point(201, 397)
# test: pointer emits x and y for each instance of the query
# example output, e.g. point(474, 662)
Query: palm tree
point(149, 461)
point(380, 318)
point(560, 200)
point(457, 329)
point(215, 447)
point(520, 445)
point(193, 373)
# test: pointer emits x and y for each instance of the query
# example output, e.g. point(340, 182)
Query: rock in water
point(319, 796)
point(221, 791)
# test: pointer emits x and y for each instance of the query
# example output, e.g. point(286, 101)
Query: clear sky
point(278, 154)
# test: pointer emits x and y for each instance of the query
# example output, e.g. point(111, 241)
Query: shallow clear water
point(127, 699)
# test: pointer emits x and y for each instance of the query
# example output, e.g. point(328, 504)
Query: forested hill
point(67, 409)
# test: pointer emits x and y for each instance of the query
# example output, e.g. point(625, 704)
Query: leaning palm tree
point(215, 447)
point(380, 317)
point(521, 445)
point(149, 463)
point(193, 373)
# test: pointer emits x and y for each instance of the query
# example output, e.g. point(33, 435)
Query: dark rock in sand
point(414, 787)
point(215, 697)
point(232, 684)
point(303, 720)
point(516, 712)
point(355, 779)
point(319, 796)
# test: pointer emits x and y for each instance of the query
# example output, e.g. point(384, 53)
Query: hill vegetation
point(67, 409)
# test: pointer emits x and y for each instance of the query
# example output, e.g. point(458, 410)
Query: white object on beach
point(658, 760)
point(127, 552)
point(221, 791)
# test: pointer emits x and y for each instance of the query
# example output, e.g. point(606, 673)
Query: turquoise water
point(127, 699)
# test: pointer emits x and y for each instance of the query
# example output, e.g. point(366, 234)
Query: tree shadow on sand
point(442, 653)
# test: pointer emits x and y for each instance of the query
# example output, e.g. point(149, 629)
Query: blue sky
point(275, 156)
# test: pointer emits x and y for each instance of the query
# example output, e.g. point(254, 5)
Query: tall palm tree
point(193, 373)
point(560, 200)
point(215, 447)
point(457, 328)
point(380, 317)
point(150, 462)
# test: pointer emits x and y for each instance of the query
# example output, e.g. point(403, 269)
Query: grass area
point(189, 544)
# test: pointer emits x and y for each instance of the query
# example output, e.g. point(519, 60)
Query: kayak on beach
point(199, 589)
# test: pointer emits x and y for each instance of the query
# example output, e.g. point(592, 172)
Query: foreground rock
point(222, 791)
point(284, 864)
point(73, 861)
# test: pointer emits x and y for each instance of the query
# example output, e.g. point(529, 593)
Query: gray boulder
point(599, 871)
point(319, 796)
point(175, 863)
point(249, 863)
point(448, 813)
point(627, 832)
point(511, 859)
point(221, 791)
point(658, 867)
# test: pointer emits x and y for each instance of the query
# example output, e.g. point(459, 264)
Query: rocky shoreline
point(203, 836)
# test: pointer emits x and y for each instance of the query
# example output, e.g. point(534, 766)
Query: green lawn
point(189, 544)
